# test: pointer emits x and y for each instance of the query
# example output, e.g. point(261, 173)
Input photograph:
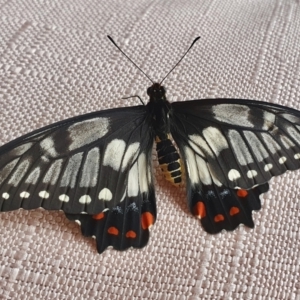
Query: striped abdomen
point(169, 160)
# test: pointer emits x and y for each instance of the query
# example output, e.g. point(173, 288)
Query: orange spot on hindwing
point(147, 220)
point(218, 218)
point(113, 230)
point(234, 210)
point(99, 216)
point(242, 193)
point(131, 234)
point(199, 209)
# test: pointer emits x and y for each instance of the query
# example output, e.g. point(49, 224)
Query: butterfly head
point(156, 92)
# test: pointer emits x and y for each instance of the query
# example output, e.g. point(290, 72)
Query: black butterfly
point(97, 167)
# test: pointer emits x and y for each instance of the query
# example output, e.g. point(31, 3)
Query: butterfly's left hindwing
point(126, 225)
point(85, 164)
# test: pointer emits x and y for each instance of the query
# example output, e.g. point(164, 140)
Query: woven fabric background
point(56, 62)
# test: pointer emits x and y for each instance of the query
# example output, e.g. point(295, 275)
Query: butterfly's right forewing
point(244, 143)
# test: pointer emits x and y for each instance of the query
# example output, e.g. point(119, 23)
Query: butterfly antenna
point(195, 40)
point(110, 38)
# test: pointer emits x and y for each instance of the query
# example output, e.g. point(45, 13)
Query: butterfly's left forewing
point(84, 164)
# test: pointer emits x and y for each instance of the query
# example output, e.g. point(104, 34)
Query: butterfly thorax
point(168, 157)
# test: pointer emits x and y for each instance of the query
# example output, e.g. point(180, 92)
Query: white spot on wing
point(48, 147)
point(90, 170)
point(293, 133)
point(24, 195)
point(286, 142)
point(233, 175)
point(85, 199)
point(197, 143)
point(44, 194)
point(21, 149)
point(268, 167)
point(251, 173)
point(293, 119)
point(7, 170)
point(239, 147)
point(45, 159)
point(256, 146)
point(53, 172)
point(203, 171)
point(197, 168)
point(133, 181)
point(233, 114)
point(130, 155)
point(19, 173)
point(269, 120)
point(297, 156)
point(87, 132)
point(78, 222)
point(114, 153)
point(123, 197)
point(71, 172)
point(215, 180)
point(33, 176)
point(142, 170)
point(282, 160)
point(271, 143)
point(191, 165)
point(105, 194)
point(5, 196)
point(215, 139)
point(64, 198)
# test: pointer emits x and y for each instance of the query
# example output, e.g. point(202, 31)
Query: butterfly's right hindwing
point(219, 207)
point(85, 164)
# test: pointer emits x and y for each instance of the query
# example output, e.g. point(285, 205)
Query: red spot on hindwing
point(199, 210)
point(147, 220)
point(99, 216)
point(242, 193)
point(131, 234)
point(234, 210)
point(219, 218)
point(113, 230)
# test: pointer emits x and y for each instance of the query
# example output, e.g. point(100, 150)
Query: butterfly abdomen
point(169, 160)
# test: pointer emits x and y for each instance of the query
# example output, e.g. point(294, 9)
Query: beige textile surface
point(56, 62)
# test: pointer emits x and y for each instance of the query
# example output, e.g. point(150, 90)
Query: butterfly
point(97, 167)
